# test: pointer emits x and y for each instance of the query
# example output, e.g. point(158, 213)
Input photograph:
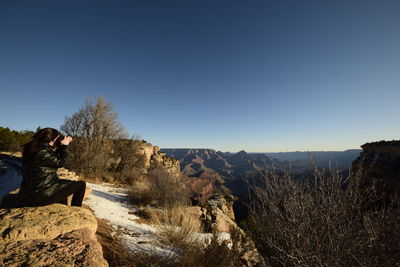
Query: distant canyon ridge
point(195, 161)
point(227, 171)
point(211, 171)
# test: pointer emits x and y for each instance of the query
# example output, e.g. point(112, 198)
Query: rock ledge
point(54, 235)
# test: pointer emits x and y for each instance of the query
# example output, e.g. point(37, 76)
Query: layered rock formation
point(54, 235)
point(381, 161)
point(152, 157)
point(200, 189)
point(224, 203)
point(226, 171)
point(194, 162)
point(141, 158)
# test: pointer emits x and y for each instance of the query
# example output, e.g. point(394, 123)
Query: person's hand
point(66, 140)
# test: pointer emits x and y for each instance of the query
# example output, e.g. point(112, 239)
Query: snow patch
point(114, 205)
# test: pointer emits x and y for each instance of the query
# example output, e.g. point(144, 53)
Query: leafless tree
point(94, 128)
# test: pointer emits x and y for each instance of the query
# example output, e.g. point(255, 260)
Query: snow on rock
point(113, 204)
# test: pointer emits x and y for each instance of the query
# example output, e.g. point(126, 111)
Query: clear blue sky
point(229, 75)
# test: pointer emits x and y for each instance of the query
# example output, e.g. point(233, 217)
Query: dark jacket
point(40, 179)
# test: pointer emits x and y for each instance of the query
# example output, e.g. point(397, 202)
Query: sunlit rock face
point(381, 161)
point(150, 157)
point(54, 235)
point(197, 162)
point(224, 203)
point(227, 170)
point(216, 216)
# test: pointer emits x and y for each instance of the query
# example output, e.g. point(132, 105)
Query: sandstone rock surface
point(221, 222)
point(224, 203)
point(216, 215)
point(153, 158)
point(76, 248)
point(43, 222)
point(54, 235)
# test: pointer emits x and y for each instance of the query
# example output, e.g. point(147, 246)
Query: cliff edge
point(381, 161)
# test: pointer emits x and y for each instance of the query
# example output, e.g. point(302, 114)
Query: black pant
point(75, 188)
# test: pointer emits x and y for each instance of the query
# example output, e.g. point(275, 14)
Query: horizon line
point(294, 151)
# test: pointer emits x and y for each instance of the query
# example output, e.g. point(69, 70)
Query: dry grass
point(178, 232)
point(326, 221)
point(217, 254)
point(160, 187)
point(141, 193)
point(178, 226)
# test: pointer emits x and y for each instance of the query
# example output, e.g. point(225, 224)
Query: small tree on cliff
point(94, 128)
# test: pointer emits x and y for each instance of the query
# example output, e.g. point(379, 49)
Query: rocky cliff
point(216, 215)
point(155, 158)
point(381, 161)
point(143, 158)
point(54, 235)
point(225, 170)
point(194, 162)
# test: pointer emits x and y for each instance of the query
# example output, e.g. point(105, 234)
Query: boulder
point(212, 218)
point(224, 203)
point(46, 222)
point(221, 221)
point(76, 248)
point(54, 235)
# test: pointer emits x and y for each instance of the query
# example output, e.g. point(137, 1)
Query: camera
point(59, 139)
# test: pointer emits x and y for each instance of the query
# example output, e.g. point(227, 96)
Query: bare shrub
point(185, 252)
point(168, 188)
point(180, 230)
point(177, 223)
point(94, 127)
point(326, 221)
point(216, 253)
point(128, 159)
point(141, 194)
point(162, 187)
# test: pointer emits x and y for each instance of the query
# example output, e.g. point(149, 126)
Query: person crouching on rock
point(40, 160)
